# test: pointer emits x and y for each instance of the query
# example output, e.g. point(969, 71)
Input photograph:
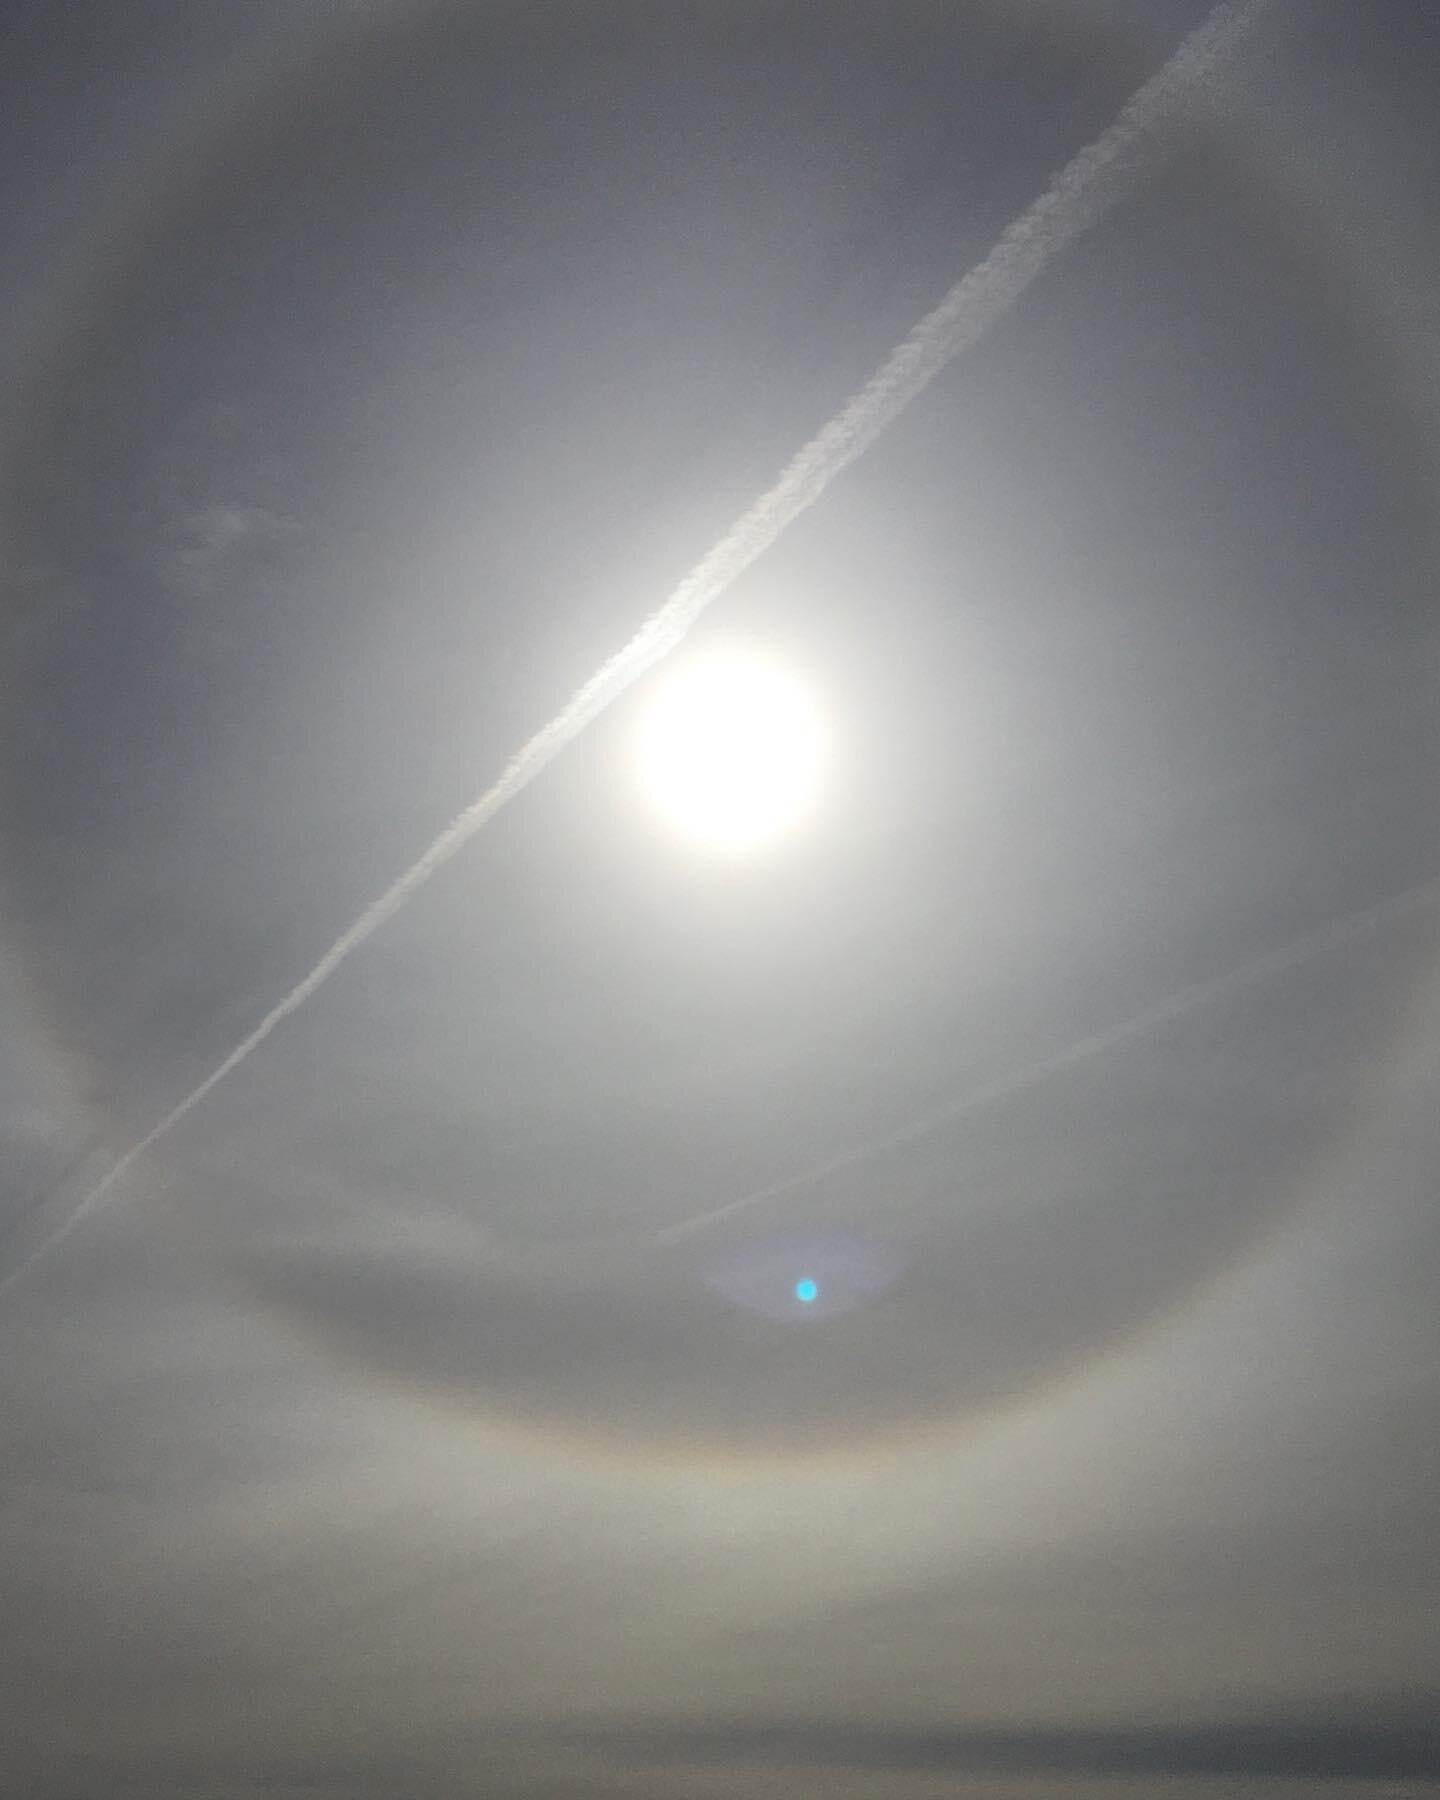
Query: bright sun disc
point(730, 750)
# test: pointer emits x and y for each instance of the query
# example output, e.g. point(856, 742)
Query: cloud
point(1089, 186)
point(209, 540)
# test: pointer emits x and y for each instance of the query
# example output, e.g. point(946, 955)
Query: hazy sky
point(376, 369)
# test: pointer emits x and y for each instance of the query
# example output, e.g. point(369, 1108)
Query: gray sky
point(379, 369)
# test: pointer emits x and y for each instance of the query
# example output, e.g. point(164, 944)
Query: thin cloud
point(212, 538)
point(1190, 999)
point(1091, 185)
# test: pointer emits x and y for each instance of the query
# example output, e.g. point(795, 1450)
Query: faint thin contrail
point(1018, 1081)
point(1088, 187)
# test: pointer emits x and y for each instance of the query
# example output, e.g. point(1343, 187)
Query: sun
point(731, 751)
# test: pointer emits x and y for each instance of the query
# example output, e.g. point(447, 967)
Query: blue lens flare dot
point(806, 1291)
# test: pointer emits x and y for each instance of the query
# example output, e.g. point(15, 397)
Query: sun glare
point(730, 750)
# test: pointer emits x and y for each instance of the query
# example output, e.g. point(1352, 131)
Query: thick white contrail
point(1005, 1087)
point(1086, 189)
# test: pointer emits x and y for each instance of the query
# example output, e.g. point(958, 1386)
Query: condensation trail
point(1005, 1087)
point(1088, 187)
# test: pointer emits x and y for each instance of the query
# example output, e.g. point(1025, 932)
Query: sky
point(433, 1411)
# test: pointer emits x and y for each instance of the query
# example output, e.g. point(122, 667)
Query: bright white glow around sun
point(731, 751)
